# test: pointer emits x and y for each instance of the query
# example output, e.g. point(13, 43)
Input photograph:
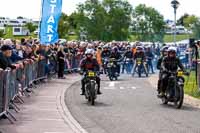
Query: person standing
point(150, 57)
point(61, 62)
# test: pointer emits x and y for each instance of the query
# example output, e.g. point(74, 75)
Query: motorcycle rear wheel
point(111, 78)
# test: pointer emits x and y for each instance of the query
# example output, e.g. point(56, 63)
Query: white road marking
point(53, 132)
point(134, 88)
point(109, 88)
point(111, 84)
point(121, 88)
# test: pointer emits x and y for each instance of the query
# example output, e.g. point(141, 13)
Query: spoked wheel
point(180, 96)
point(164, 100)
point(93, 101)
point(111, 78)
point(92, 93)
point(89, 99)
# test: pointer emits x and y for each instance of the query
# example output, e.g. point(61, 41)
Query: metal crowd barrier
point(73, 63)
point(13, 83)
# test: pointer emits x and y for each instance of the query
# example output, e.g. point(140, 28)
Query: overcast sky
point(31, 8)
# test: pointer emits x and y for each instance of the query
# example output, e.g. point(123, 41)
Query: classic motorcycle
point(91, 87)
point(140, 67)
point(105, 62)
point(174, 92)
point(112, 69)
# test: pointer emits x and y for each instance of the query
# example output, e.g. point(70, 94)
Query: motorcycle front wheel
point(92, 93)
point(180, 97)
point(164, 100)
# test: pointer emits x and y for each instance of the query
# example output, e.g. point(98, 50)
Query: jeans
point(150, 66)
point(128, 67)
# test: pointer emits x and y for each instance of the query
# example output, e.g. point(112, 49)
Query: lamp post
point(175, 4)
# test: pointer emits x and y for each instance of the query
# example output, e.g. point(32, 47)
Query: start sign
point(51, 11)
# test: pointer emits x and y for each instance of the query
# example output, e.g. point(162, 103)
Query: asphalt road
point(130, 105)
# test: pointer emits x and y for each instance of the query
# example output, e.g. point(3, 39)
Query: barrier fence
point(18, 82)
point(14, 84)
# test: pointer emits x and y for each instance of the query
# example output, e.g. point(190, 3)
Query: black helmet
point(6, 47)
point(164, 49)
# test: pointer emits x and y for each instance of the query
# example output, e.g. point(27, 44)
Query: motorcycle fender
point(180, 83)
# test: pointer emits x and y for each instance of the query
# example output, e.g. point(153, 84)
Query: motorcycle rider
point(170, 63)
point(164, 53)
point(90, 63)
point(150, 57)
point(139, 55)
point(117, 56)
point(105, 55)
point(128, 59)
point(106, 52)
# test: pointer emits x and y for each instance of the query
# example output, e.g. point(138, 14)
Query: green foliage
point(170, 38)
point(63, 26)
point(196, 29)
point(1, 33)
point(107, 20)
point(191, 87)
point(189, 21)
point(31, 27)
point(181, 20)
point(148, 24)
point(167, 38)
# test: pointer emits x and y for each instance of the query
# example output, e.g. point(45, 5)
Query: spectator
point(61, 62)
point(5, 57)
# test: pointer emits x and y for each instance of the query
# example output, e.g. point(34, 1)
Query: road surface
point(130, 105)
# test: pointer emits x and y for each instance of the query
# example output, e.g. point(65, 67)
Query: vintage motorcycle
point(174, 92)
point(112, 69)
point(91, 87)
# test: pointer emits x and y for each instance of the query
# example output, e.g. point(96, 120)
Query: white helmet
point(172, 49)
point(89, 51)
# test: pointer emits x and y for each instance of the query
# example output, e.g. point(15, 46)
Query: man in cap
point(6, 52)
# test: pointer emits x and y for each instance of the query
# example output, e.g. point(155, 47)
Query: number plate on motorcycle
point(91, 74)
point(180, 73)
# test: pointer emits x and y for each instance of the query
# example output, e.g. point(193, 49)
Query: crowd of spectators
point(62, 55)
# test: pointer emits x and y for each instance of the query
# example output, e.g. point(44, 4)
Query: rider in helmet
point(128, 59)
point(117, 56)
point(170, 63)
point(105, 55)
point(139, 55)
point(164, 53)
point(106, 52)
point(89, 63)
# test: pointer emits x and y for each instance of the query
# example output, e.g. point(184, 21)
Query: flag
point(51, 12)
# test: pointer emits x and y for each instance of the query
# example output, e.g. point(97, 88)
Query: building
point(19, 21)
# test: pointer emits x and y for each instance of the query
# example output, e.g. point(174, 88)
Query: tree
point(63, 26)
point(190, 20)
point(1, 33)
point(118, 19)
point(196, 29)
point(20, 17)
point(148, 24)
point(31, 27)
point(181, 20)
point(107, 20)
